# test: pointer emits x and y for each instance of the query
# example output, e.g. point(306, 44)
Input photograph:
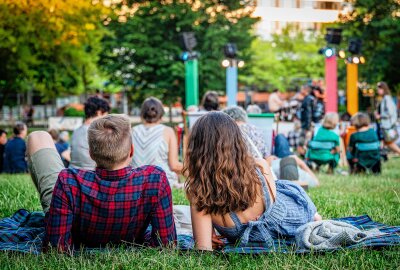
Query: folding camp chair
point(369, 163)
point(318, 148)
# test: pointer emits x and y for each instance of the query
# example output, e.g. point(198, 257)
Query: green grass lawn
point(338, 196)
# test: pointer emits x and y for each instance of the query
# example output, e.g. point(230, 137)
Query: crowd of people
point(111, 180)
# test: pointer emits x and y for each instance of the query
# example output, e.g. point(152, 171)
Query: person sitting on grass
point(14, 151)
point(3, 142)
point(95, 107)
point(229, 190)
point(364, 134)
point(155, 143)
point(210, 102)
point(113, 204)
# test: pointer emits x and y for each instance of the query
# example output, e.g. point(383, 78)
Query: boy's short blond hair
point(110, 140)
point(330, 120)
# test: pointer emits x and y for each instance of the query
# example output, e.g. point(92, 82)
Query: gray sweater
point(330, 234)
point(388, 112)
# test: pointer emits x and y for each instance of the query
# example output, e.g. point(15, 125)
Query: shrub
point(72, 112)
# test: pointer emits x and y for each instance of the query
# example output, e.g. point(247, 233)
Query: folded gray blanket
point(330, 234)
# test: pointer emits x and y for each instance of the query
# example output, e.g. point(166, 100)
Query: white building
point(303, 14)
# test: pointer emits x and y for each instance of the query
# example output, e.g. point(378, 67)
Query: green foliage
point(377, 23)
point(73, 112)
point(142, 53)
point(49, 46)
point(289, 59)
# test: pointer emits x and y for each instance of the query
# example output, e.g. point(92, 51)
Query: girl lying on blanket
point(230, 191)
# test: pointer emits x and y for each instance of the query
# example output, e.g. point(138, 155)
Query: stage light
point(185, 56)
point(240, 64)
point(328, 52)
point(349, 60)
point(362, 60)
point(342, 54)
point(226, 63)
point(356, 60)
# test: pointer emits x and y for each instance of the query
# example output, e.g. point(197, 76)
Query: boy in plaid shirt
point(115, 203)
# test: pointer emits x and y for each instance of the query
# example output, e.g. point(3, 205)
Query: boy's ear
point(131, 151)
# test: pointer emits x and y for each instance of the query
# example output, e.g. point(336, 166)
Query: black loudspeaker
point(230, 50)
point(355, 46)
point(333, 35)
point(188, 41)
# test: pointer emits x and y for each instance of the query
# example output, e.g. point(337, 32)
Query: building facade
point(304, 15)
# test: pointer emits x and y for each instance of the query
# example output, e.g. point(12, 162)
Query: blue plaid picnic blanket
point(24, 232)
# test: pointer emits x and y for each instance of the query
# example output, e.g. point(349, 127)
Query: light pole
point(191, 69)
point(192, 82)
point(352, 63)
point(231, 64)
point(334, 37)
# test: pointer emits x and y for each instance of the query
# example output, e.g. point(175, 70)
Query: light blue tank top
point(291, 209)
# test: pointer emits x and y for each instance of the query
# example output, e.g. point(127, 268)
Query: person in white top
point(275, 103)
point(155, 143)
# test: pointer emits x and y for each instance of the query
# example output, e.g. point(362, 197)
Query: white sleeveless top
point(150, 148)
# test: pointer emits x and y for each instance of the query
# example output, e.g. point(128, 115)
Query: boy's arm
point(162, 218)
point(60, 218)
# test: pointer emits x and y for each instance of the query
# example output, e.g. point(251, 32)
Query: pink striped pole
point(331, 84)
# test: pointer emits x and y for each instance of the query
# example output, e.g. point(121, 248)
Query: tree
point(48, 45)
point(377, 23)
point(287, 57)
point(146, 35)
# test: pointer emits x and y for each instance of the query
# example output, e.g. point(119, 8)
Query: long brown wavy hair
point(222, 175)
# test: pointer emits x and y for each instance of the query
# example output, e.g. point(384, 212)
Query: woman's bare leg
point(393, 146)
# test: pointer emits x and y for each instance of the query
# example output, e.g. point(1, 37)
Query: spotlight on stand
point(362, 60)
point(186, 56)
point(225, 63)
point(327, 52)
point(342, 53)
point(356, 60)
point(349, 60)
point(240, 64)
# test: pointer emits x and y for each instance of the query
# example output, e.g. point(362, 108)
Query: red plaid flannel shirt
point(95, 208)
